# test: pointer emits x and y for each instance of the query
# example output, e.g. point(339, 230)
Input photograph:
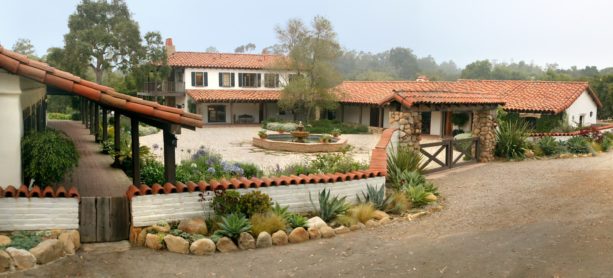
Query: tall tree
point(311, 53)
point(245, 48)
point(478, 70)
point(102, 36)
point(25, 47)
point(211, 49)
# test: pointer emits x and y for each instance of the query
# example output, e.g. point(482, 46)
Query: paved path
point(540, 218)
point(93, 176)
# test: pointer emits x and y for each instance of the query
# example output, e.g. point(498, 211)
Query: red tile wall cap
point(61, 192)
point(43, 73)
point(74, 193)
point(1, 192)
point(48, 192)
point(242, 182)
point(35, 192)
point(10, 191)
point(23, 191)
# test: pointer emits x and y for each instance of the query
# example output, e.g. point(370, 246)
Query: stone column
point(409, 125)
point(484, 126)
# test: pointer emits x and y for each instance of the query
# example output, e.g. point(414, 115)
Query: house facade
point(245, 88)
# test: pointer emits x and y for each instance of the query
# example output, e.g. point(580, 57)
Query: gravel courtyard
point(539, 218)
point(234, 144)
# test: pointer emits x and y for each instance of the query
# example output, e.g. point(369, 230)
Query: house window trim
point(276, 81)
point(221, 83)
point(205, 78)
point(257, 80)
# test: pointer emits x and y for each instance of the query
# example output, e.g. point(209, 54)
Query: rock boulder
point(225, 245)
point(298, 235)
point(246, 241)
point(279, 238)
point(47, 251)
point(194, 225)
point(264, 240)
point(176, 244)
point(21, 258)
point(203, 246)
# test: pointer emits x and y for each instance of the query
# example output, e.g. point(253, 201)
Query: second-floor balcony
point(163, 88)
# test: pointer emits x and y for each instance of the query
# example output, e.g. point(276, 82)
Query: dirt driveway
point(529, 219)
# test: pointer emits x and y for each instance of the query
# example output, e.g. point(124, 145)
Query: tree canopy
point(311, 55)
point(25, 47)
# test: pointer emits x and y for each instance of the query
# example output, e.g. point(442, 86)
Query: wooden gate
point(448, 153)
point(104, 219)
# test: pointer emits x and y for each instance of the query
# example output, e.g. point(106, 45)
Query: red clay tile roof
point(211, 96)
point(409, 98)
point(518, 95)
point(222, 60)
point(224, 184)
point(36, 192)
point(43, 73)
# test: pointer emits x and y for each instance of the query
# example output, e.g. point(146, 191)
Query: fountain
point(299, 134)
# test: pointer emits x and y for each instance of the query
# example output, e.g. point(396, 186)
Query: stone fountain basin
point(283, 142)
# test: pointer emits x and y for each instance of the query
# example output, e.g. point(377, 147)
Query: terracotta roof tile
point(242, 182)
point(211, 96)
point(222, 60)
point(36, 192)
point(21, 65)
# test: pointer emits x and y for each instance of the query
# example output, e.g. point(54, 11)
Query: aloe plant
point(328, 207)
point(374, 196)
point(416, 194)
point(296, 221)
point(280, 211)
point(232, 226)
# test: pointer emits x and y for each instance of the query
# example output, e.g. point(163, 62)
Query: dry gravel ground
point(549, 218)
point(234, 144)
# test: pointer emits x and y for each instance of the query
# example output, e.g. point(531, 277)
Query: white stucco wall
point(582, 106)
point(149, 209)
point(213, 79)
point(22, 214)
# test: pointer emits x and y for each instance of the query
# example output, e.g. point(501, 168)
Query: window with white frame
point(226, 79)
point(249, 80)
point(199, 79)
point(271, 80)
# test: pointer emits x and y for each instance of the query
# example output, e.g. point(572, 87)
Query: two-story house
point(223, 87)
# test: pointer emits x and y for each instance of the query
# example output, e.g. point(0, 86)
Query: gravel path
point(547, 218)
point(234, 144)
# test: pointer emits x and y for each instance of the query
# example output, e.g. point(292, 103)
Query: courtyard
point(499, 220)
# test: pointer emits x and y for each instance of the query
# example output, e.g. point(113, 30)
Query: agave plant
point(400, 160)
point(280, 211)
point(232, 226)
point(374, 196)
point(328, 207)
point(511, 139)
point(296, 221)
point(417, 195)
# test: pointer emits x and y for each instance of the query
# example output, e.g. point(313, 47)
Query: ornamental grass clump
point(267, 222)
point(362, 212)
point(398, 203)
point(511, 139)
point(328, 208)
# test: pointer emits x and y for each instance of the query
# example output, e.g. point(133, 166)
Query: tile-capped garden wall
point(166, 205)
point(22, 209)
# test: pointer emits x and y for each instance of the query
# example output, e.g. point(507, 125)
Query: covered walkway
point(94, 175)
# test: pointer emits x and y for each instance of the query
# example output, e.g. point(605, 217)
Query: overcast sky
point(543, 31)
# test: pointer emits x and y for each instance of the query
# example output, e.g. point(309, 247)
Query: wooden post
point(135, 152)
point(231, 113)
point(105, 125)
point(82, 111)
point(342, 113)
point(97, 122)
point(85, 114)
point(170, 143)
point(117, 139)
point(381, 116)
point(91, 117)
point(361, 112)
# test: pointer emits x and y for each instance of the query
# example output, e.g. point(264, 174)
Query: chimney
point(422, 78)
point(170, 48)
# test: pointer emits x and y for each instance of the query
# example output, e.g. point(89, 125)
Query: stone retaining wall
point(149, 209)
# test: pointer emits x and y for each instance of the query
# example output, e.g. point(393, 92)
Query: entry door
point(447, 124)
point(426, 119)
point(217, 113)
point(375, 112)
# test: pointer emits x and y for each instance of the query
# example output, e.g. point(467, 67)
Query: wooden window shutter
point(240, 80)
point(206, 79)
point(220, 79)
point(232, 77)
point(258, 82)
point(193, 78)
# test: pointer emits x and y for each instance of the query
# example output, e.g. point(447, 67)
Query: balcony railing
point(163, 88)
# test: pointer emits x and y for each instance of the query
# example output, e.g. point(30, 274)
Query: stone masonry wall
point(409, 126)
point(484, 126)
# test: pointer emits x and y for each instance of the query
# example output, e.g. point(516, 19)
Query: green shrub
point(25, 239)
point(226, 202)
point(328, 126)
point(511, 139)
point(187, 236)
point(406, 177)
point(59, 116)
point(404, 159)
point(374, 196)
point(578, 145)
point(296, 221)
point(328, 207)
point(152, 172)
point(232, 226)
point(48, 156)
point(250, 170)
point(549, 145)
point(606, 142)
point(254, 202)
point(267, 222)
point(333, 163)
point(460, 118)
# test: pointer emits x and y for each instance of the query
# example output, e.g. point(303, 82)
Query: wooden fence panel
point(104, 219)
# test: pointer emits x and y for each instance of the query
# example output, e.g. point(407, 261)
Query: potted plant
point(262, 133)
point(336, 132)
point(325, 138)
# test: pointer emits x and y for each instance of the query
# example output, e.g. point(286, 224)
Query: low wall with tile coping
point(149, 209)
point(24, 214)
